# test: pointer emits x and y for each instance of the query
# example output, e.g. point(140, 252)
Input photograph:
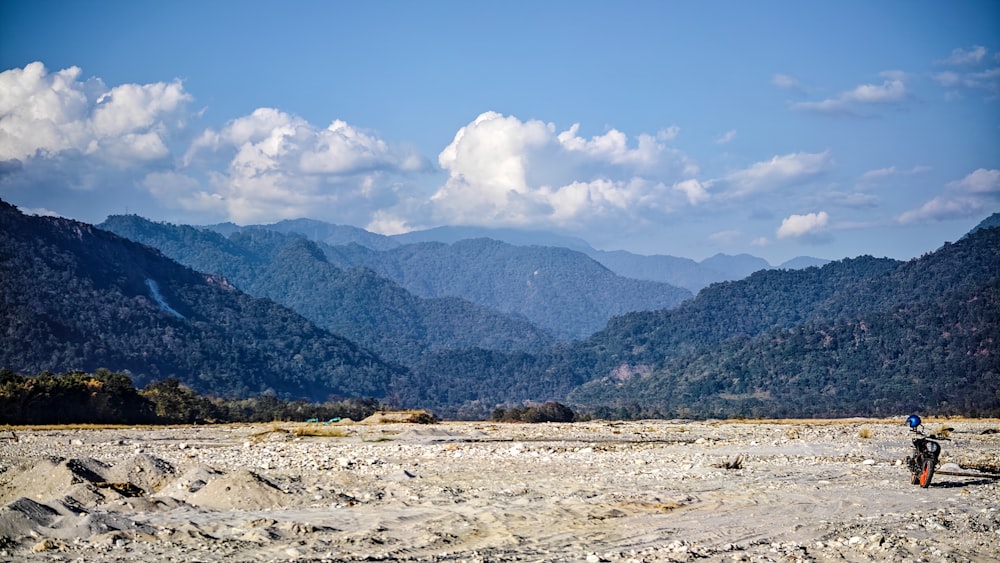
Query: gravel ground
point(588, 492)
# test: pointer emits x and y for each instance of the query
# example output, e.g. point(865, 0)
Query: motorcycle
point(925, 458)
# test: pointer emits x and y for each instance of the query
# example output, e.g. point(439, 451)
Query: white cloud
point(796, 226)
point(874, 175)
point(988, 80)
point(981, 181)
point(948, 79)
point(966, 57)
point(879, 173)
point(784, 81)
point(726, 137)
point(44, 114)
point(976, 193)
point(855, 101)
point(694, 191)
point(780, 171)
point(668, 134)
point(504, 171)
point(277, 165)
point(39, 211)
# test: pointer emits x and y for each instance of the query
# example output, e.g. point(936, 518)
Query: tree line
point(106, 397)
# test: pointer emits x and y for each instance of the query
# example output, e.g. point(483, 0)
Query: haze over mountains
point(681, 272)
point(863, 336)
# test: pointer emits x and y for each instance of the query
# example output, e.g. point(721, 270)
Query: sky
point(774, 128)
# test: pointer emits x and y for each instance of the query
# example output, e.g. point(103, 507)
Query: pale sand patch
point(596, 491)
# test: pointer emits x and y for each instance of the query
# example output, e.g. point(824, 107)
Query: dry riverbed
point(477, 491)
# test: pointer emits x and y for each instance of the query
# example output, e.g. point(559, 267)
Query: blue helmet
point(913, 421)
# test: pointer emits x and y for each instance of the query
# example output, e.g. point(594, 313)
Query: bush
point(548, 412)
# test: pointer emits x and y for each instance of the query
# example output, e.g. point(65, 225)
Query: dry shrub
point(866, 433)
point(321, 431)
point(942, 432)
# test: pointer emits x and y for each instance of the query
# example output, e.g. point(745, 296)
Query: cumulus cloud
point(46, 114)
point(973, 195)
point(60, 132)
point(505, 171)
point(780, 171)
point(271, 165)
point(859, 99)
point(810, 224)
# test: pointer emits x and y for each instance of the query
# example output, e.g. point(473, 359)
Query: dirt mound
point(53, 477)
point(408, 417)
point(239, 490)
point(143, 471)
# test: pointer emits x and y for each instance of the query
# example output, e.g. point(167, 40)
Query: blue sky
point(686, 128)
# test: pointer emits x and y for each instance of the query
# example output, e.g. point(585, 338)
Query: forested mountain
point(864, 336)
point(353, 302)
point(75, 297)
point(558, 289)
point(681, 272)
point(857, 337)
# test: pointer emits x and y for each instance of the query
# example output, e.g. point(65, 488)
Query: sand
point(588, 492)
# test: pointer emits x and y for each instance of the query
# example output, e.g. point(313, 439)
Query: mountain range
point(352, 301)
point(856, 337)
point(681, 272)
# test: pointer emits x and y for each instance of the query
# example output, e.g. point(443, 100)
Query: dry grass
point(47, 427)
point(866, 433)
point(314, 430)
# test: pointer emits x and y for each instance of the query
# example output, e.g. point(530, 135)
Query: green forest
point(863, 336)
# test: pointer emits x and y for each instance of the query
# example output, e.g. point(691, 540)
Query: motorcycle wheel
point(926, 473)
point(911, 464)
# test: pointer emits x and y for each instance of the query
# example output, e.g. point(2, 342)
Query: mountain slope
point(856, 337)
point(560, 290)
point(353, 302)
point(865, 336)
point(77, 297)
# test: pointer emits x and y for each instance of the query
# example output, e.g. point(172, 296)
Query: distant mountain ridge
point(558, 289)
point(681, 272)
